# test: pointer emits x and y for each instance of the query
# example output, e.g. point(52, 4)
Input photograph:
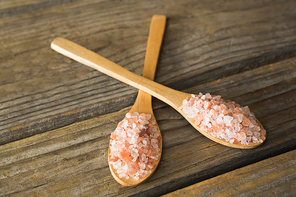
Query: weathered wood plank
point(275, 176)
point(73, 160)
point(204, 41)
point(9, 8)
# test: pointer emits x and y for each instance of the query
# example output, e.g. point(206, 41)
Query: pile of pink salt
point(135, 146)
point(223, 119)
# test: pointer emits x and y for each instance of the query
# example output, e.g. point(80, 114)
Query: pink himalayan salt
point(223, 119)
point(134, 146)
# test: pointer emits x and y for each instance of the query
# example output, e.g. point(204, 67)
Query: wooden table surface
point(56, 115)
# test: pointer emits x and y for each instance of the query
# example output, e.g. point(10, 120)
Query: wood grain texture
point(275, 176)
point(10, 8)
point(56, 115)
point(73, 160)
point(205, 41)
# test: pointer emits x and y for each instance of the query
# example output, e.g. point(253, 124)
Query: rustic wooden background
point(56, 115)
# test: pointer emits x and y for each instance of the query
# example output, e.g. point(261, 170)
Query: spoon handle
point(72, 50)
point(143, 102)
point(157, 28)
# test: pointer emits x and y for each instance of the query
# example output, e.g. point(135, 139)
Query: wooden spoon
point(172, 97)
point(143, 103)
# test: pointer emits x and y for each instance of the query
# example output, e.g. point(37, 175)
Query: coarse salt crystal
point(148, 116)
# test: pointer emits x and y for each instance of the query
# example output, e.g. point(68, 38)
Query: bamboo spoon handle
point(143, 102)
point(157, 28)
point(72, 50)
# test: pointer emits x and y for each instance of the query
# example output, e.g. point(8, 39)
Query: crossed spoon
point(172, 97)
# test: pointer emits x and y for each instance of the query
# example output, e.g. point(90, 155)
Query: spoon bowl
point(172, 97)
point(143, 103)
point(142, 98)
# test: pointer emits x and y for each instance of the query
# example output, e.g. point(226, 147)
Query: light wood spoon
point(172, 97)
point(143, 103)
